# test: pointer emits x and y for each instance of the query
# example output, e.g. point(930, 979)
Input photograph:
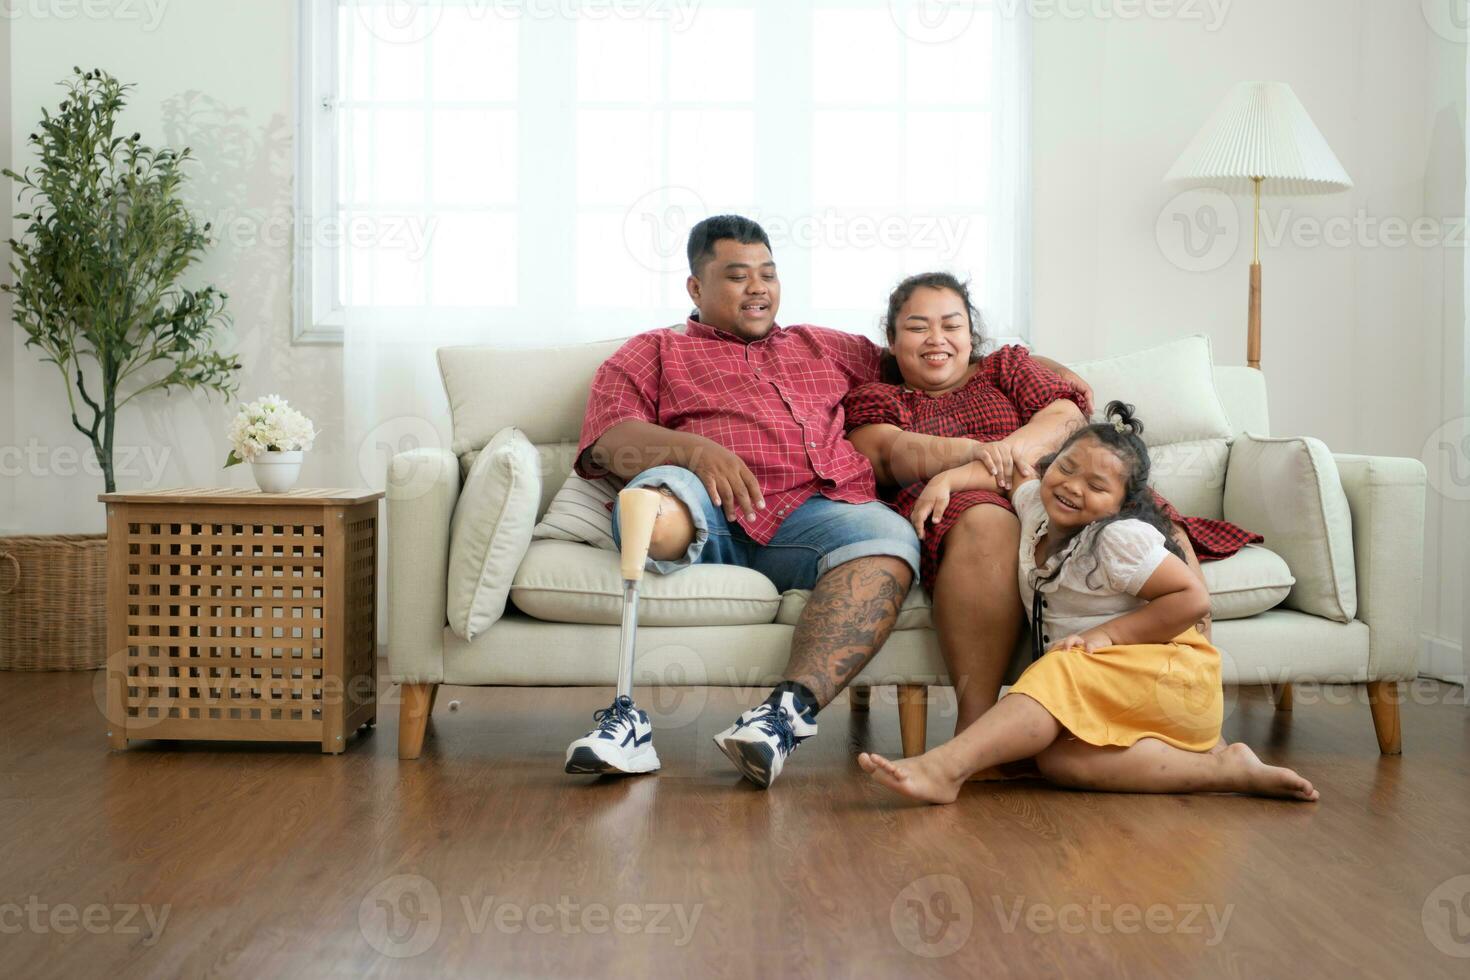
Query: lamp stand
point(1253, 326)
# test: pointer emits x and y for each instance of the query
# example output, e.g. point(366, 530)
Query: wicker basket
point(53, 602)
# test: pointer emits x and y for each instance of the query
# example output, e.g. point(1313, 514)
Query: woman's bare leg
point(1152, 766)
point(1016, 728)
point(977, 610)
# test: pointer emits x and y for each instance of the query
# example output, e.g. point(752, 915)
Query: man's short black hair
point(703, 236)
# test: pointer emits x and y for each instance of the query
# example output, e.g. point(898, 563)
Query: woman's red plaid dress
point(1006, 389)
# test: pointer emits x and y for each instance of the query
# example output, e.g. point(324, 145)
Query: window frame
point(318, 319)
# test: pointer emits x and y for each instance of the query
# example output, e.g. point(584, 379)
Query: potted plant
point(272, 437)
point(98, 290)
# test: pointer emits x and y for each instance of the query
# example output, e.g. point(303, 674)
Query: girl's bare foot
point(1248, 774)
point(918, 778)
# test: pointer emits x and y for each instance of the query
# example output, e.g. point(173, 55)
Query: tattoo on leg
point(851, 612)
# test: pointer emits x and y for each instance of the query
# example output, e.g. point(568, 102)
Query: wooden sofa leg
point(913, 717)
point(1283, 699)
point(413, 718)
point(859, 698)
point(1383, 701)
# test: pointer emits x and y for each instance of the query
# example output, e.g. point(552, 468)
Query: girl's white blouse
point(1099, 583)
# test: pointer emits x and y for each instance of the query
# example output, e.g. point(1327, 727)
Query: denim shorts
point(818, 536)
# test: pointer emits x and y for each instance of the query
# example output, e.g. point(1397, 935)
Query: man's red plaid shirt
point(774, 402)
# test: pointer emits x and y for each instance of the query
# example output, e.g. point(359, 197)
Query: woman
point(942, 405)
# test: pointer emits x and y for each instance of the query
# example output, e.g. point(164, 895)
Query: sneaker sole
point(753, 759)
point(584, 761)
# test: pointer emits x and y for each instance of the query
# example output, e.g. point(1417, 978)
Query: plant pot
point(276, 472)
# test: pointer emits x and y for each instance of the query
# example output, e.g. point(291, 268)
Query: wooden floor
point(482, 858)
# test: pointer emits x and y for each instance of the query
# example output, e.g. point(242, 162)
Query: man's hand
point(729, 482)
point(1093, 639)
point(931, 503)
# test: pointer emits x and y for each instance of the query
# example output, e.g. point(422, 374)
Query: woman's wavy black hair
point(1122, 433)
point(888, 366)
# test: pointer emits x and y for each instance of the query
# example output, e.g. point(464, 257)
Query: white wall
point(1356, 345)
point(8, 519)
point(216, 76)
point(1361, 343)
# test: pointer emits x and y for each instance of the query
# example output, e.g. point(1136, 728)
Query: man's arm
point(628, 448)
point(1066, 374)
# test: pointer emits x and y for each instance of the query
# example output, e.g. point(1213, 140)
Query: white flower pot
point(277, 472)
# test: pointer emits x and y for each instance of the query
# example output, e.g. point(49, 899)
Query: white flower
point(269, 424)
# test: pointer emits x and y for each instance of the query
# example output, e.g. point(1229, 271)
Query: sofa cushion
point(541, 389)
point(1289, 491)
point(1192, 475)
point(569, 582)
point(579, 512)
point(1172, 386)
point(1250, 581)
point(490, 531)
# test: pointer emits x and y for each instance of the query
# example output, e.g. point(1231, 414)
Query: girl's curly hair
point(1122, 433)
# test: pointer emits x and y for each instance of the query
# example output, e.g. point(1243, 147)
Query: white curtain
point(523, 182)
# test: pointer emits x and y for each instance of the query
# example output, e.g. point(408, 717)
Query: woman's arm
point(1066, 374)
point(900, 458)
point(1044, 434)
point(1177, 599)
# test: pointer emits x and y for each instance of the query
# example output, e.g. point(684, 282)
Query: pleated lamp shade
point(1260, 130)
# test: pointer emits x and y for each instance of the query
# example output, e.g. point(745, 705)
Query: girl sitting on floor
point(1129, 697)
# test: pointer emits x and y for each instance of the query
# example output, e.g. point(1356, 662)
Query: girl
point(1129, 697)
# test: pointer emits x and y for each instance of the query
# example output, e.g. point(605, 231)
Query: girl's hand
point(1093, 639)
point(997, 458)
point(931, 503)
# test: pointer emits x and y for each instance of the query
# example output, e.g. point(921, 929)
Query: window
point(527, 169)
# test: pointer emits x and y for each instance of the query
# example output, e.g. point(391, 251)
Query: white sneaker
point(622, 742)
point(762, 738)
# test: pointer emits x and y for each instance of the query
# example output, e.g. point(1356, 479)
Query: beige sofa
point(728, 627)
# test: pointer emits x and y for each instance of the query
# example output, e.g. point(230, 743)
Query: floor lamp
point(1259, 140)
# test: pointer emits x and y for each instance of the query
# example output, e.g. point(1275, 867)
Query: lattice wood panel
point(242, 622)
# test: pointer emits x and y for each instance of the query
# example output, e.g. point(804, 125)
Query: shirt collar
point(694, 328)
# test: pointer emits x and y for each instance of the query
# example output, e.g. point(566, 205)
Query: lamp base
point(1253, 327)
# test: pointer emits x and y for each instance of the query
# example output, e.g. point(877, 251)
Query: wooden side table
point(236, 614)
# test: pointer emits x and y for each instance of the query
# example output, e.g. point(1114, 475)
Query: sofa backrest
point(543, 392)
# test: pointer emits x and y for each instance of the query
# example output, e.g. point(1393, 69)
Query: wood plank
point(243, 496)
point(267, 854)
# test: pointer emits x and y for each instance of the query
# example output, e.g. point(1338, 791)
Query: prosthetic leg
point(637, 510)
point(622, 742)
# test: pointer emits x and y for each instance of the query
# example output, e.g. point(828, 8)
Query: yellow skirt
point(1118, 695)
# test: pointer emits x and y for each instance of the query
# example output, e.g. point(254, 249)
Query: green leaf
point(232, 459)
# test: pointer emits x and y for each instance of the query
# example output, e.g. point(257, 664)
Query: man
point(738, 423)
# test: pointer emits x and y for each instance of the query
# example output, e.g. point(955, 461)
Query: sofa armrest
point(1386, 495)
point(423, 486)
